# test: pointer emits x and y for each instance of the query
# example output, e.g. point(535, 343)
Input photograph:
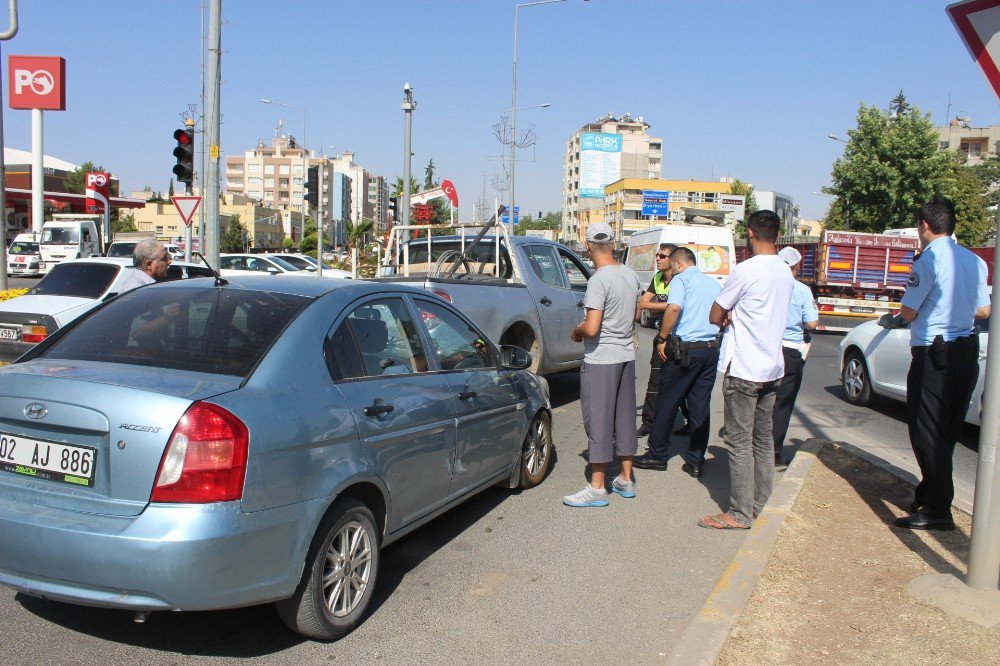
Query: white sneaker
point(589, 496)
point(624, 488)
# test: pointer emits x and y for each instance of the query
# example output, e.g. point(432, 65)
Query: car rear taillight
point(443, 294)
point(206, 458)
point(33, 333)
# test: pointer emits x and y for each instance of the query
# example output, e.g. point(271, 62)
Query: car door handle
point(376, 410)
point(465, 395)
point(545, 300)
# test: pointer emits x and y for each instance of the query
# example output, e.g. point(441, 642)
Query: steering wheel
point(448, 257)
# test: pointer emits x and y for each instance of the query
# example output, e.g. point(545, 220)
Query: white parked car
point(23, 256)
point(69, 290)
point(306, 263)
point(255, 264)
point(874, 361)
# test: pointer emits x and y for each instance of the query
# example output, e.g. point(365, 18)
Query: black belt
point(708, 344)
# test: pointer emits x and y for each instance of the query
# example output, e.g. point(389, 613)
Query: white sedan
point(874, 361)
point(273, 264)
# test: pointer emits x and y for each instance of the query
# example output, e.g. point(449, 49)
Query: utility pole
point(6, 35)
point(212, 128)
point(204, 139)
point(408, 106)
point(319, 217)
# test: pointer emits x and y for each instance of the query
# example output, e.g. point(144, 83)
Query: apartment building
point(273, 175)
point(976, 143)
point(598, 154)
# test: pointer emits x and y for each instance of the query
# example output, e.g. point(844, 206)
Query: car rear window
point(121, 249)
point(218, 331)
point(81, 279)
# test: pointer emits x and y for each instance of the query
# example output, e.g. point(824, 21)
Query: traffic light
point(393, 207)
point(184, 152)
point(312, 186)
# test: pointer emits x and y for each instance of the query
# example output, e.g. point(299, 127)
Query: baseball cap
point(600, 232)
point(790, 255)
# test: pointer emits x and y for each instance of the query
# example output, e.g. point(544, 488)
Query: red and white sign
point(36, 82)
point(450, 192)
point(186, 206)
point(978, 22)
point(97, 191)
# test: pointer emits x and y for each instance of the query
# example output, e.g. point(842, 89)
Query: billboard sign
point(655, 202)
point(36, 82)
point(97, 191)
point(600, 162)
point(734, 203)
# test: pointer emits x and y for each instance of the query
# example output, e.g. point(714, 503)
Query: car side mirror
point(273, 271)
point(514, 358)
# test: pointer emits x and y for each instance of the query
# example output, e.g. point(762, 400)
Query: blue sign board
point(655, 202)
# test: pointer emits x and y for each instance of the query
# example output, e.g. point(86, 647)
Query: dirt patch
point(835, 587)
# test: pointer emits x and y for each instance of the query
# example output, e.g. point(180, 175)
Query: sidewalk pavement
point(834, 581)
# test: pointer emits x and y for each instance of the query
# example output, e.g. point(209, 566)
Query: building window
point(283, 169)
point(297, 182)
point(296, 169)
point(269, 182)
point(159, 230)
point(251, 166)
point(282, 182)
point(269, 169)
point(943, 145)
point(269, 196)
point(253, 180)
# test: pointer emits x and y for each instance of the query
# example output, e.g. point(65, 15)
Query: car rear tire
point(856, 380)
point(536, 454)
point(339, 577)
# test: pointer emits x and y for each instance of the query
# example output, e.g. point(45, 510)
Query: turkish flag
point(449, 190)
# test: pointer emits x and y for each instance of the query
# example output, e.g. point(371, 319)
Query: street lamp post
point(513, 100)
point(305, 176)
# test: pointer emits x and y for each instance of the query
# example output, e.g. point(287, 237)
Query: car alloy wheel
point(537, 451)
point(348, 569)
point(855, 380)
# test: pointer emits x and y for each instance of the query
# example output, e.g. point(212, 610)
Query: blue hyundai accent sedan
point(204, 445)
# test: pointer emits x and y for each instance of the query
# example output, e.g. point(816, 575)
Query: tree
point(750, 205)
point(965, 189)
point(308, 243)
point(356, 232)
point(899, 106)
point(287, 243)
point(429, 182)
point(397, 187)
point(123, 224)
point(549, 221)
point(232, 238)
point(170, 192)
point(890, 167)
point(76, 179)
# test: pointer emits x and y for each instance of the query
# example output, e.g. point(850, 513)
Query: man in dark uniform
point(688, 346)
point(654, 301)
point(945, 293)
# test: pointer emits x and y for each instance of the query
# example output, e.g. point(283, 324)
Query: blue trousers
point(693, 384)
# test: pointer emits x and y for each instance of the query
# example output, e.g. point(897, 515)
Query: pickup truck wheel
point(537, 452)
point(339, 576)
point(856, 380)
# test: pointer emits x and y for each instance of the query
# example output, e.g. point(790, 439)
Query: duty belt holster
point(939, 353)
point(677, 351)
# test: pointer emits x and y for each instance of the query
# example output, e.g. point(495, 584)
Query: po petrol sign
point(36, 82)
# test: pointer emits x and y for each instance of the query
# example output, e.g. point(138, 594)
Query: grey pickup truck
point(521, 290)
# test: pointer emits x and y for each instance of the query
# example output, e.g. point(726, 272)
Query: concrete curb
point(909, 477)
point(702, 641)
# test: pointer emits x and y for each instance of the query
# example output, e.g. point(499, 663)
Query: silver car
point(155, 455)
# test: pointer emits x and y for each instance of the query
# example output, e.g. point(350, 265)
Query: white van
point(712, 246)
point(22, 256)
point(69, 237)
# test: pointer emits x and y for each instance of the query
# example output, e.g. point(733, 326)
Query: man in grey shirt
point(607, 379)
point(150, 260)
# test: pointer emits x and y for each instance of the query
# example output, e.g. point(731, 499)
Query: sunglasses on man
point(662, 256)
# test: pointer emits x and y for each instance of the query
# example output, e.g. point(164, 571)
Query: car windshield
point(24, 248)
point(218, 331)
point(121, 249)
point(77, 278)
point(60, 236)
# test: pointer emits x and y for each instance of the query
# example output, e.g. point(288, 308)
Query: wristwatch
point(659, 340)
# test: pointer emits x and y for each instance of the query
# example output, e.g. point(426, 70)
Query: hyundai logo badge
point(36, 410)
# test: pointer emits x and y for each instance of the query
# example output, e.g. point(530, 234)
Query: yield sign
point(978, 22)
point(186, 206)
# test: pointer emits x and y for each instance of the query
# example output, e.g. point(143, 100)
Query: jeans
point(749, 408)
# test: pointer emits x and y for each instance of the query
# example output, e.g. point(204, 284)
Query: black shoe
point(648, 461)
point(691, 470)
point(922, 521)
point(780, 464)
point(644, 430)
point(684, 429)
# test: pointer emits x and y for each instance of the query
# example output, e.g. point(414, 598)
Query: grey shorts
point(607, 397)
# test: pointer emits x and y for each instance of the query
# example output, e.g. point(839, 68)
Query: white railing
point(400, 242)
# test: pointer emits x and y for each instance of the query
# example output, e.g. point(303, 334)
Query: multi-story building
point(624, 198)
point(977, 143)
point(378, 197)
point(783, 205)
point(273, 175)
point(339, 198)
point(598, 154)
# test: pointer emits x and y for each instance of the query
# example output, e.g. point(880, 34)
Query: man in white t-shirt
point(751, 307)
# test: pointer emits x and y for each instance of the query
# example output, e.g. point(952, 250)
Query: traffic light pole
point(319, 220)
point(408, 106)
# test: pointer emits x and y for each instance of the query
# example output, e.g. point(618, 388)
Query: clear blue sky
point(742, 89)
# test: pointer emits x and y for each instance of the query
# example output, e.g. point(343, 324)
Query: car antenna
point(219, 280)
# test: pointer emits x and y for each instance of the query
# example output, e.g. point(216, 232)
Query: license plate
point(47, 460)
point(8, 333)
point(863, 310)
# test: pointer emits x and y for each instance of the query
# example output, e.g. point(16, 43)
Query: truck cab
point(71, 237)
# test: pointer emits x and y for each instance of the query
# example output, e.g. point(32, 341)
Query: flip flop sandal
point(719, 522)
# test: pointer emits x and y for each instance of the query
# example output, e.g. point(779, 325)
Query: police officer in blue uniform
point(945, 293)
point(689, 347)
